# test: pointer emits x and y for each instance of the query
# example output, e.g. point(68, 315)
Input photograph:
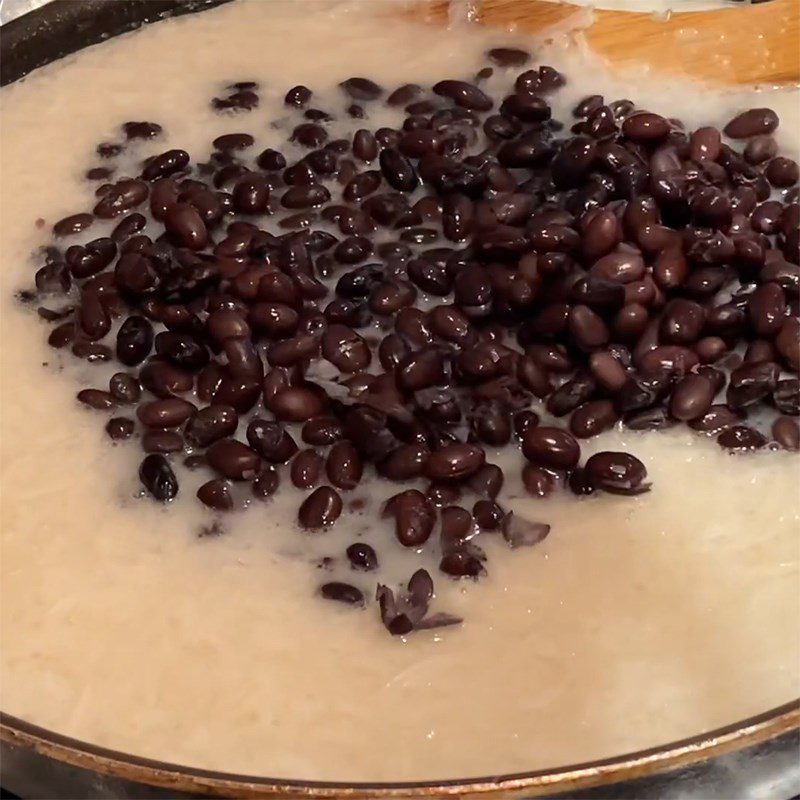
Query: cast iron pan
point(66, 26)
point(39, 763)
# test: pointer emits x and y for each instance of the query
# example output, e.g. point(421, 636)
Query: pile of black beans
point(486, 262)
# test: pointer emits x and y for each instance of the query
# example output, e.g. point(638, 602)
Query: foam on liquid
point(638, 621)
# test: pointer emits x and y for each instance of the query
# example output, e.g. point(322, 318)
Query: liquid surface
point(636, 622)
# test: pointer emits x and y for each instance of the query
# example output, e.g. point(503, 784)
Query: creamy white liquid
point(638, 621)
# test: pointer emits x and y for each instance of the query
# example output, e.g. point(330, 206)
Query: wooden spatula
point(742, 44)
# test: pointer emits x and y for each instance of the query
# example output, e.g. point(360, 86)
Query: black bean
point(124, 388)
point(454, 462)
point(753, 122)
point(93, 316)
point(741, 438)
point(361, 88)
point(141, 130)
point(128, 226)
point(551, 447)
point(297, 96)
point(134, 340)
point(306, 469)
point(508, 56)
point(159, 440)
point(788, 343)
point(53, 279)
point(461, 564)
point(571, 394)
point(487, 481)
point(344, 466)
point(767, 309)
point(352, 250)
point(760, 149)
point(691, 398)
point(243, 100)
point(124, 195)
point(136, 274)
point(488, 515)
point(414, 517)
point(165, 380)
point(271, 441)
point(405, 462)
point(322, 431)
point(216, 494)
point(704, 144)
point(96, 398)
point(751, 382)
point(320, 509)
point(210, 424)
point(287, 352)
point(158, 478)
point(587, 328)
point(421, 369)
point(165, 413)
point(404, 94)
point(72, 224)
point(251, 194)
point(592, 418)
point(617, 473)
point(538, 481)
point(786, 396)
point(305, 196)
point(621, 266)
point(265, 484)
point(342, 593)
point(782, 172)
point(398, 170)
point(271, 160)
point(165, 164)
point(463, 94)
point(645, 126)
point(786, 432)
point(717, 418)
point(362, 557)
point(109, 149)
point(492, 424)
point(526, 108)
point(365, 147)
point(760, 350)
point(182, 350)
point(670, 358)
point(649, 419)
point(543, 80)
point(232, 459)
point(607, 371)
point(440, 493)
point(457, 526)
point(91, 351)
point(240, 392)
point(185, 226)
point(120, 428)
point(389, 297)
point(588, 105)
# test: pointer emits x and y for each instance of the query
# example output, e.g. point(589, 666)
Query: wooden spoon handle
point(743, 44)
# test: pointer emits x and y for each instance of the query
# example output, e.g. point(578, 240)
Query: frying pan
point(759, 754)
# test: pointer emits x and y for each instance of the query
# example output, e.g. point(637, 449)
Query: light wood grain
point(744, 44)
